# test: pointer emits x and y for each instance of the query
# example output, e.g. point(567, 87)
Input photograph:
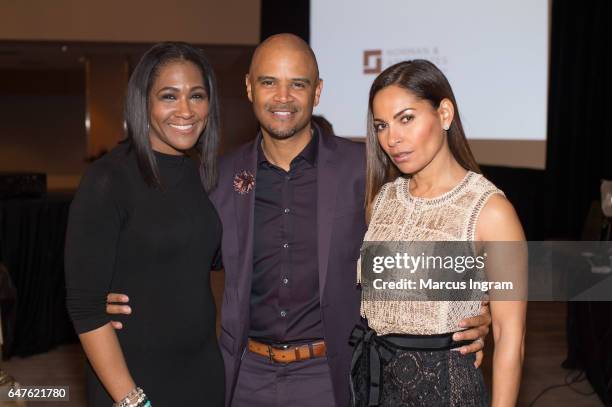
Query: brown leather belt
point(289, 354)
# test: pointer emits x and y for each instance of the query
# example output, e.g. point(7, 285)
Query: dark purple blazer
point(340, 230)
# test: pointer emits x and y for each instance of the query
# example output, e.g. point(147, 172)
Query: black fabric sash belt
point(382, 349)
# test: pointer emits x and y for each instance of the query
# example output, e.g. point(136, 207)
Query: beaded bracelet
point(141, 399)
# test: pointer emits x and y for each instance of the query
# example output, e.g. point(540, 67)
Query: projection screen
point(495, 55)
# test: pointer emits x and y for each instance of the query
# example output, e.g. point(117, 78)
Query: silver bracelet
point(128, 401)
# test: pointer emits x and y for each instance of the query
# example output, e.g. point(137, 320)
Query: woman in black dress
point(141, 223)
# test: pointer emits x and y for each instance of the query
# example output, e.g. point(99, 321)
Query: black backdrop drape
point(32, 248)
point(279, 16)
point(579, 151)
point(579, 148)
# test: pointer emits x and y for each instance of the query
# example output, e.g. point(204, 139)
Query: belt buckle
point(279, 346)
point(270, 354)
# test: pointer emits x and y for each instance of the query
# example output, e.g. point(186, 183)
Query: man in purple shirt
point(292, 207)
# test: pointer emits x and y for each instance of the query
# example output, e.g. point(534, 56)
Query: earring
point(446, 127)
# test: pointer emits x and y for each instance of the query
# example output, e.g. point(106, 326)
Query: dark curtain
point(579, 155)
point(523, 187)
point(579, 148)
point(32, 233)
point(285, 17)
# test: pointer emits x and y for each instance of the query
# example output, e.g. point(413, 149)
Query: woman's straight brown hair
point(425, 81)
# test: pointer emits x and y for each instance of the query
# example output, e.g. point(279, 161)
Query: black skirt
point(385, 374)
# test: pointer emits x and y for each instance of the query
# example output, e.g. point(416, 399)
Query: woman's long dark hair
point(137, 110)
point(425, 81)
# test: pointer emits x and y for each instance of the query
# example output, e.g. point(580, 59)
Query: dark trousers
point(262, 383)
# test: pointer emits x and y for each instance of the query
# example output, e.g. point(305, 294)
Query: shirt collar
point(309, 153)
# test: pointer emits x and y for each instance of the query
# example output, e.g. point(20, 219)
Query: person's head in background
point(171, 107)
point(413, 126)
point(324, 124)
point(284, 86)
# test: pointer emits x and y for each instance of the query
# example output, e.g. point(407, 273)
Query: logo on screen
point(372, 61)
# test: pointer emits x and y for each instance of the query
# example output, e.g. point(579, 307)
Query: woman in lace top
point(423, 184)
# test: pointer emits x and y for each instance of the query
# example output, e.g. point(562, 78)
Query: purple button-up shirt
point(285, 286)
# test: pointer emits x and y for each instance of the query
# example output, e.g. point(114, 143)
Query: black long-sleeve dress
point(156, 246)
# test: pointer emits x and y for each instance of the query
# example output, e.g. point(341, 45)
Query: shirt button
point(283, 313)
point(286, 246)
point(287, 210)
point(285, 281)
point(287, 177)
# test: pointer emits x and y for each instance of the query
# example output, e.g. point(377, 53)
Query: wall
point(510, 153)
point(43, 94)
point(197, 21)
point(42, 115)
point(42, 123)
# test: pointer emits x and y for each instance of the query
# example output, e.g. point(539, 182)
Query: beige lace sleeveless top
point(398, 216)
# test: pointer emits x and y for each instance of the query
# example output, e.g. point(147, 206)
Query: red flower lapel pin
point(244, 182)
